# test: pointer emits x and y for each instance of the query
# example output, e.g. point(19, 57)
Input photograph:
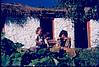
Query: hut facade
point(21, 23)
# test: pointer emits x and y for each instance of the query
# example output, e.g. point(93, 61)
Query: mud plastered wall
point(24, 34)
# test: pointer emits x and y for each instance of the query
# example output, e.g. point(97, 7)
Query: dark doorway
point(81, 40)
point(46, 25)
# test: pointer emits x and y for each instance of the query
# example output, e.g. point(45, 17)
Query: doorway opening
point(47, 26)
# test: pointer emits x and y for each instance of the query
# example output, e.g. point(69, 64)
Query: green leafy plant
point(5, 60)
point(43, 57)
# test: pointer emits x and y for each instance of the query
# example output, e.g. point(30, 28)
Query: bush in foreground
point(13, 55)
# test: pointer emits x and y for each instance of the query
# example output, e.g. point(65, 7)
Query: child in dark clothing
point(40, 40)
point(64, 41)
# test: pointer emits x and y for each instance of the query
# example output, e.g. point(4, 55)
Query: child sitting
point(40, 40)
point(64, 41)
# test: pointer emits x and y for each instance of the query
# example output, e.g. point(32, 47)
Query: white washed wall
point(25, 35)
point(94, 25)
point(64, 24)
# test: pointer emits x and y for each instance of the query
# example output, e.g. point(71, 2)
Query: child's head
point(63, 34)
point(39, 30)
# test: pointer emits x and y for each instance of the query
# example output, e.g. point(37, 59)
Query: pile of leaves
point(13, 55)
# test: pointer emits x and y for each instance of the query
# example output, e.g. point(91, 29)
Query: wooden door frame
point(89, 34)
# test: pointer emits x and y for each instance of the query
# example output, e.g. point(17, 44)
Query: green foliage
point(35, 62)
point(75, 9)
point(41, 51)
point(18, 45)
point(8, 47)
point(46, 61)
point(9, 53)
point(5, 60)
point(87, 58)
point(16, 56)
point(2, 35)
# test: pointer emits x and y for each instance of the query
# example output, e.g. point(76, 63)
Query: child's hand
point(62, 47)
point(39, 43)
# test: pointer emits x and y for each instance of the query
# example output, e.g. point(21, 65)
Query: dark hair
point(38, 29)
point(63, 32)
